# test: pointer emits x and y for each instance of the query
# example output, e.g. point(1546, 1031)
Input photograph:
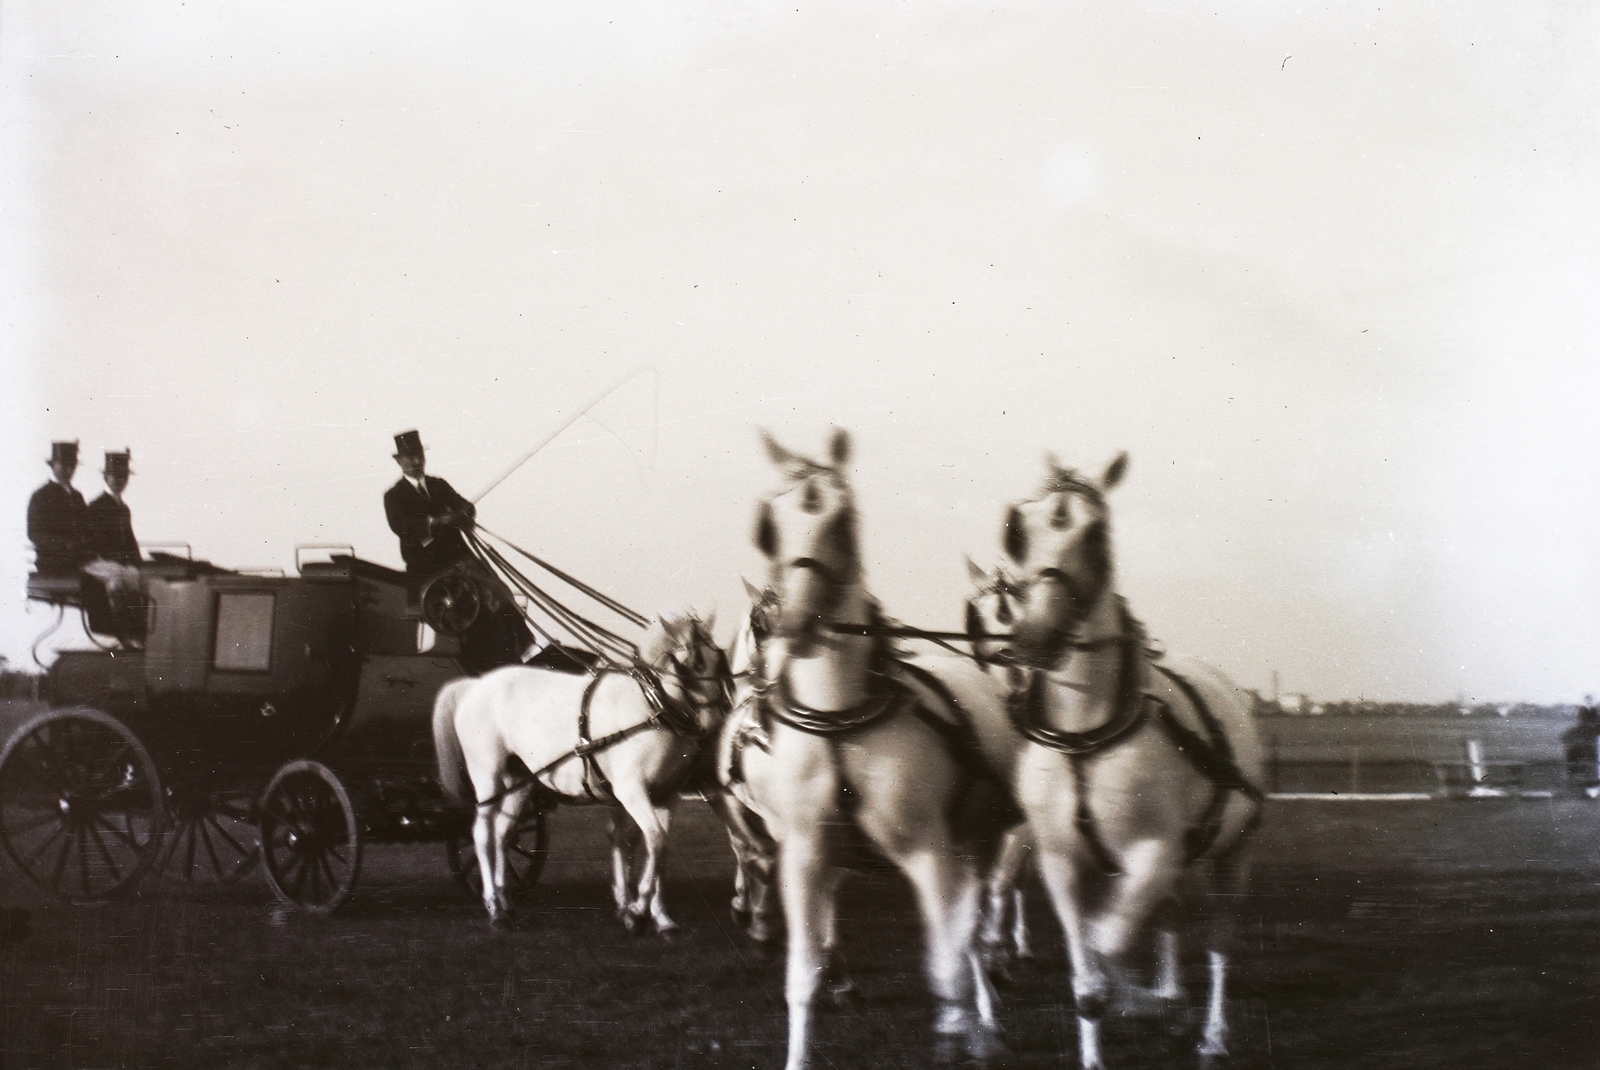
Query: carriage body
point(244, 709)
point(239, 671)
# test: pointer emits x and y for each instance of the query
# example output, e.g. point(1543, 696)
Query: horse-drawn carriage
point(239, 719)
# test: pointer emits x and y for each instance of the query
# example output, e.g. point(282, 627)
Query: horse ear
point(1114, 471)
point(976, 574)
point(755, 593)
point(839, 447)
point(766, 531)
point(1015, 539)
point(974, 623)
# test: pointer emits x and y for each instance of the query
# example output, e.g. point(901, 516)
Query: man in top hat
point(429, 516)
point(58, 517)
point(110, 521)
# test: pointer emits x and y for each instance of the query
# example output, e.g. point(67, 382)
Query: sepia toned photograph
point(813, 536)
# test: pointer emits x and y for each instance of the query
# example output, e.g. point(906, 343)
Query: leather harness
point(888, 696)
point(665, 712)
point(1212, 755)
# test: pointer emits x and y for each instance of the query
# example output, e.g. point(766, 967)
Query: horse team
point(1129, 778)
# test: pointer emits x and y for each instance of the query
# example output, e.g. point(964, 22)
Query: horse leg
point(1021, 941)
point(948, 895)
point(754, 906)
point(1230, 874)
point(1000, 893)
point(739, 905)
point(836, 979)
point(803, 882)
point(624, 842)
point(1062, 883)
point(655, 822)
point(484, 845)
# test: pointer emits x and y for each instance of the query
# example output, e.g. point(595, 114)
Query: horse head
point(808, 532)
point(991, 613)
point(683, 652)
point(1061, 544)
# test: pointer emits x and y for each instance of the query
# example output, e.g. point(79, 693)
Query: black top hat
point(63, 453)
point(117, 463)
point(408, 444)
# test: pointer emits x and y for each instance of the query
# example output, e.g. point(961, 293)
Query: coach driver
point(428, 515)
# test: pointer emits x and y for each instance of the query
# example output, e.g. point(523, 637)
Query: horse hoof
point(741, 918)
point(947, 1051)
point(983, 1047)
point(1092, 1007)
point(1214, 1060)
point(500, 921)
point(763, 951)
point(844, 997)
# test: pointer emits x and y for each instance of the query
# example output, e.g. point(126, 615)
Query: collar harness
point(1211, 754)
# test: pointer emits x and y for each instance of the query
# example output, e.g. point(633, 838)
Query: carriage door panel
point(177, 652)
point(393, 716)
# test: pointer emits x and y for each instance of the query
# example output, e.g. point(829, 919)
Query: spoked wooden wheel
point(451, 603)
point(309, 838)
point(213, 839)
point(525, 855)
point(81, 808)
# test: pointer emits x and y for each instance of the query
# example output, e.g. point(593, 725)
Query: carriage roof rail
point(273, 571)
point(170, 550)
point(328, 548)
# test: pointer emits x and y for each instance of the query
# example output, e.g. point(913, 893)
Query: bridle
point(720, 674)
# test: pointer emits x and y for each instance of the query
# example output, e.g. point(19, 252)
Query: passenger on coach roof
point(110, 521)
point(58, 518)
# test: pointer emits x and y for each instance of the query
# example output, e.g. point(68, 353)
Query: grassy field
point(1378, 935)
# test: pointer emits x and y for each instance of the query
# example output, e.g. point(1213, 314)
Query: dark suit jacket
point(58, 528)
point(427, 548)
point(111, 531)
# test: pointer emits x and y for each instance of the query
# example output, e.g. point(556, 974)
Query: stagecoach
point(232, 720)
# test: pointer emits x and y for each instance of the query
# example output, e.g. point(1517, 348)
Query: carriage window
point(244, 632)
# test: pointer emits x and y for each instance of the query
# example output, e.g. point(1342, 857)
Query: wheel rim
point(525, 857)
point(450, 603)
point(309, 838)
point(213, 839)
point(80, 805)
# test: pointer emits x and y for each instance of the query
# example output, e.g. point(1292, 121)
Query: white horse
point(834, 746)
point(629, 739)
point(991, 611)
point(1140, 784)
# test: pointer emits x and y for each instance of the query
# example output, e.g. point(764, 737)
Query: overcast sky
point(1330, 276)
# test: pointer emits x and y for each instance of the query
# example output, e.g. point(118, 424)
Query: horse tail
point(447, 745)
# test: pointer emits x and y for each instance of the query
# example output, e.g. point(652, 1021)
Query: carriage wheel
point(309, 838)
point(450, 603)
point(213, 838)
point(80, 804)
point(525, 855)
